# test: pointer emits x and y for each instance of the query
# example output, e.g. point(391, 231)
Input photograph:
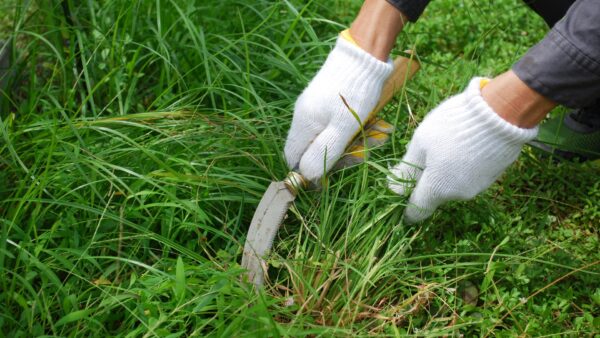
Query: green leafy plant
point(138, 136)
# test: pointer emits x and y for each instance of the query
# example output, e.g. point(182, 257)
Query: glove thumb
point(406, 173)
point(423, 200)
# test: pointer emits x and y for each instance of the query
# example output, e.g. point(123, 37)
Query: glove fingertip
point(292, 155)
point(415, 214)
point(311, 171)
point(399, 188)
point(397, 179)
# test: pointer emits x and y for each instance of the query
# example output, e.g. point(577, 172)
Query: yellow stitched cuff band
point(483, 83)
point(346, 35)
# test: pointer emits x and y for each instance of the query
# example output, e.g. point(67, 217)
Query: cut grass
point(138, 138)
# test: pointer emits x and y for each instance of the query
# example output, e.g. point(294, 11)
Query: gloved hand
point(459, 150)
point(322, 125)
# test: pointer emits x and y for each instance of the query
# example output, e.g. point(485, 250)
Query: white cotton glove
point(459, 150)
point(322, 125)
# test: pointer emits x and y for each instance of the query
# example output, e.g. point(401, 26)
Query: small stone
point(468, 292)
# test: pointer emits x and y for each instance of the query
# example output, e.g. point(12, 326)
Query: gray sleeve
point(411, 8)
point(565, 65)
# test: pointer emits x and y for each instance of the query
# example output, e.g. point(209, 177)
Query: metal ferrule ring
point(295, 182)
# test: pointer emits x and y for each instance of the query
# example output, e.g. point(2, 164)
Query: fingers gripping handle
point(295, 182)
point(404, 69)
point(376, 131)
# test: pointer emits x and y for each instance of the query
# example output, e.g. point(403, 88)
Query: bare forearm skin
point(515, 102)
point(376, 27)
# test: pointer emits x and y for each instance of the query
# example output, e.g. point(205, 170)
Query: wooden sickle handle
point(404, 69)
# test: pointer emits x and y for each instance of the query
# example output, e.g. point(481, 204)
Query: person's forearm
point(376, 27)
point(515, 102)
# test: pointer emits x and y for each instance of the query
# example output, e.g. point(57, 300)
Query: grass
point(137, 138)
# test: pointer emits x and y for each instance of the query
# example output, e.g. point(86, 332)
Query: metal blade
point(266, 221)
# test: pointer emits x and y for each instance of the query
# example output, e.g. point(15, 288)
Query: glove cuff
point(479, 114)
point(360, 67)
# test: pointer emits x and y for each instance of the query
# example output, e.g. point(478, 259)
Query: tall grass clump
point(137, 137)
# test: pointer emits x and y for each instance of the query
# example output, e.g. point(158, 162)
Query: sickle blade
point(266, 221)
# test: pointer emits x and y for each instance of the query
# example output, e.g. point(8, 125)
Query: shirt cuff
point(411, 8)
